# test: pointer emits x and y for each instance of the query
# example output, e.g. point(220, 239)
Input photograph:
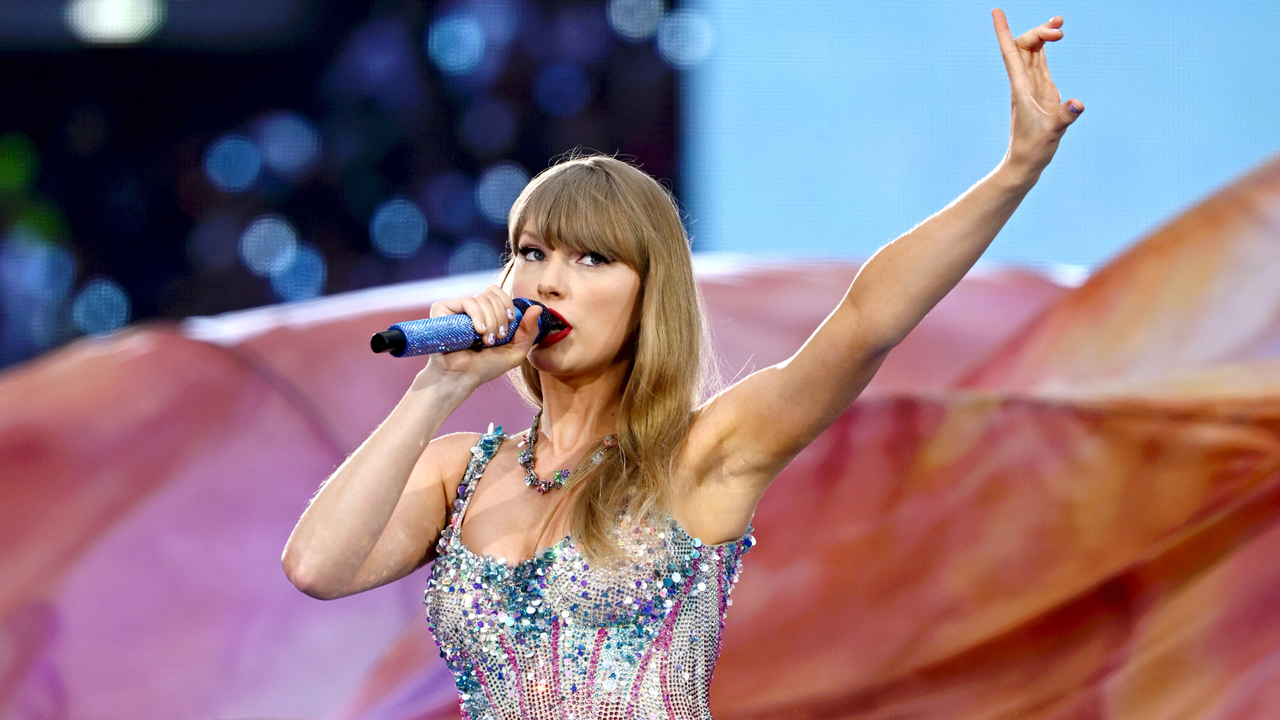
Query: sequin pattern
point(552, 637)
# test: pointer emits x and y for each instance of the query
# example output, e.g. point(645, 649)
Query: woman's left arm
point(800, 397)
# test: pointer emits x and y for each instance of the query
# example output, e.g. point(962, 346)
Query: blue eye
point(594, 258)
point(528, 253)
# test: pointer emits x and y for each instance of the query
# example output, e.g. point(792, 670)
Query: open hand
point(1038, 116)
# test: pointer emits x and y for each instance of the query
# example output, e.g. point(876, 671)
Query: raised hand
point(1038, 116)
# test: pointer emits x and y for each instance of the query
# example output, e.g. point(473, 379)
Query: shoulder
point(450, 454)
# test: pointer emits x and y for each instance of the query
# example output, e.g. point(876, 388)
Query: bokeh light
point(212, 243)
point(450, 202)
point(19, 161)
point(114, 22)
point(473, 256)
point(397, 228)
point(456, 43)
point(232, 163)
point(100, 307)
point(268, 245)
point(562, 90)
point(497, 190)
point(35, 277)
point(303, 277)
point(488, 127)
point(685, 38)
point(290, 144)
point(635, 19)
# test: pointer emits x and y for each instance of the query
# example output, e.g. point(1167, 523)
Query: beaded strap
point(481, 453)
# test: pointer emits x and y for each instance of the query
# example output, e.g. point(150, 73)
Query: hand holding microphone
point(488, 320)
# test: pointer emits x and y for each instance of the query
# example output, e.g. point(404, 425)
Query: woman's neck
point(578, 413)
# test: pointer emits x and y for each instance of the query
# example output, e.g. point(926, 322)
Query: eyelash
point(526, 250)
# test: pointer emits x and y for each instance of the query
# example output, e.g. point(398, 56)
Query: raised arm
point(799, 398)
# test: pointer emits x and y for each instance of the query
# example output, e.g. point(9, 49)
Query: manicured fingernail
point(1074, 108)
point(502, 331)
point(491, 338)
point(483, 326)
point(511, 314)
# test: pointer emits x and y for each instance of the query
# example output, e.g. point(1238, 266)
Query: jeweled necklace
point(558, 478)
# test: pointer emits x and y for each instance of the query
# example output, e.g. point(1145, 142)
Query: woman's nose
point(551, 282)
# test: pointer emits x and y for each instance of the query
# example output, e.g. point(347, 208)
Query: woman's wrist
point(442, 387)
point(1016, 175)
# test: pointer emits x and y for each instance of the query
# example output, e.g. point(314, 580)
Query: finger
point(527, 331)
point(505, 307)
point(1009, 51)
point(494, 312)
point(1069, 111)
point(1035, 38)
point(473, 309)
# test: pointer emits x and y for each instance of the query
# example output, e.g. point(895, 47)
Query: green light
point(19, 162)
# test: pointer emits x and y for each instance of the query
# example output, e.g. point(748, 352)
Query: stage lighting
point(685, 38)
point(473, 256)
point(456, 43)
point(268, 245)
point(232, 163)
point(100, 307)
point(114, 22)
point(635, 19)
point(290, 144)
point(397, 228)
point(498, 189)
point(303, 277)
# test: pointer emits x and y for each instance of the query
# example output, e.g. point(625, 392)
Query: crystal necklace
point(558, 478)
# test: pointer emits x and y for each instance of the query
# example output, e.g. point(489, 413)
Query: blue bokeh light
point(450, 202)
point(488, 127)
point(473, 256)
point(635, 19)
point(397, 228)
point(232, 163)
point(685, 38)
point(100, 307)
point(268, 245)
point(456, 43)
point(562, 90)
point(497, 190)
point(582, 33)
point(35, 277)
point(290, 144)
point(303, 277)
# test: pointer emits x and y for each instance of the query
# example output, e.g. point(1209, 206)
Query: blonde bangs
point(573, 206)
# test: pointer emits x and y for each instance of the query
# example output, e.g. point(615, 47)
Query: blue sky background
point(830, 128)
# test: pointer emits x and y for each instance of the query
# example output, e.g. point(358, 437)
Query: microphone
point(454, 332)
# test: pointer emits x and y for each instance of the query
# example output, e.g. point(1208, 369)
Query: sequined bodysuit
point(553, 637)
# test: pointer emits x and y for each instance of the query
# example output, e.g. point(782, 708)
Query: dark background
point(106, 149)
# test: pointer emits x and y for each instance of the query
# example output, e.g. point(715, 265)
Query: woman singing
point(583, 568)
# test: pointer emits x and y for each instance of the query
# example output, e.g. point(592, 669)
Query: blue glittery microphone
point(455, 332)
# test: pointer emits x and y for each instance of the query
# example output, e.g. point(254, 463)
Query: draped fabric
point(1052, 502)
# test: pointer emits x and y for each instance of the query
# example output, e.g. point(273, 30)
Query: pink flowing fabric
point(1051, 503)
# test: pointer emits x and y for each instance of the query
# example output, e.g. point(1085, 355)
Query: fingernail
point(1075, 109)
point(491, 338)
point(483, 326)
point(502, 331)
point(511, 314)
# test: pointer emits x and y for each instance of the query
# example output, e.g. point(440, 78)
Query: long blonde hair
point(597, 203)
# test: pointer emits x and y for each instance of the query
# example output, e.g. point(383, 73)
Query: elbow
point(305, 578)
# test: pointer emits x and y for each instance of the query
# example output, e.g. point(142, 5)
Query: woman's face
point(596, 295)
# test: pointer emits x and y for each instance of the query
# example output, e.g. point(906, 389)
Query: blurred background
point(168, 158)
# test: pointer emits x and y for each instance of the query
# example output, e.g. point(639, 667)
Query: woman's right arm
point(377, 517)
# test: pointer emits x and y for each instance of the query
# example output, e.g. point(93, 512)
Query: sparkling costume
point(552, 637)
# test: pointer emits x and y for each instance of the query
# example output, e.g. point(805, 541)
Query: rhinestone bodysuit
point(552, 637)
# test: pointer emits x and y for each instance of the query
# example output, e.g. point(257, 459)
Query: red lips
point(557, 334)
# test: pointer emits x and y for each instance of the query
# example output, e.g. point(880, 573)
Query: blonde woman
point(583, 567)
